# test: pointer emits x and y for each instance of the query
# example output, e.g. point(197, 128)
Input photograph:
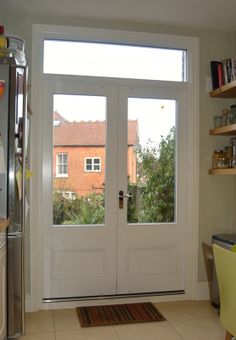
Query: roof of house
point(58, 118)
point(87, 133)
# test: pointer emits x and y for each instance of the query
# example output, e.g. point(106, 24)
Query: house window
point(62, 165)
point(92, 164)
point(56, 123)
point(69, 195)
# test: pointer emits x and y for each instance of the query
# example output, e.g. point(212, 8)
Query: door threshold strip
point(107, 297)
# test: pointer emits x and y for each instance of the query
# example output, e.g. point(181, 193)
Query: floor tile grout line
point(116, 332)
point(177, 332)
point(54, 326)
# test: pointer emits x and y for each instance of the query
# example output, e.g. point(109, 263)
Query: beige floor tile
point(38, 336)
point(185, 310)
point(39, 322)
point(209, 306)
point(202, 329)
point(148, 331)
point(66, 319)
point(91, 333)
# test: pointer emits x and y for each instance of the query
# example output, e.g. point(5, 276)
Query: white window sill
point(92, 170)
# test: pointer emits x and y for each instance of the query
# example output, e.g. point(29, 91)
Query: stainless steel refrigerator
point(13, 134)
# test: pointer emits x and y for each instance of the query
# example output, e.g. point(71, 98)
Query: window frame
point(62, 175)
point(69, 195)
point(92, 164)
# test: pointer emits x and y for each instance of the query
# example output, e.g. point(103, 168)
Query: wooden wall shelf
point(225, 91)
point(227, 130)
point(228, 171)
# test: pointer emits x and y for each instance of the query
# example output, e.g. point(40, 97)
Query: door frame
point(41, 32)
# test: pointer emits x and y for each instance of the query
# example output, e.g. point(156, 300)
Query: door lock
point(121, 198)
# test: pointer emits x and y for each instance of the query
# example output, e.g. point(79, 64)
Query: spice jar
point(217, 121)
point(233, 144)
point(225, 113)
point(229, 153)
point(222, 163)
point(217, 154)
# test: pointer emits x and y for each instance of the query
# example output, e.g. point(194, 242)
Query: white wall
point(217, 193)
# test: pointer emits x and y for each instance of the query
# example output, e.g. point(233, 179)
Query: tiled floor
point(186, 320)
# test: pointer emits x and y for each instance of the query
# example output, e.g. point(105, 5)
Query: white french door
point(78, 260)
point(151, 251)
point(134, 241)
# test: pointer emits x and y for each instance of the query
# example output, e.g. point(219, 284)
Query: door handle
point(121, 198)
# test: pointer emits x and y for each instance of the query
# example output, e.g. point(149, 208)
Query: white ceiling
point(214, 14)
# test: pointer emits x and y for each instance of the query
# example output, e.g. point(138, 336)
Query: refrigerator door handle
point(17, 234)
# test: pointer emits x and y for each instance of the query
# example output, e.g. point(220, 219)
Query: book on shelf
point(220, 75)
point(223, 71)
point(233, 61)
point(215, 76)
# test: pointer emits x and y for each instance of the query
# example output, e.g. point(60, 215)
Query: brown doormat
point(118, 314)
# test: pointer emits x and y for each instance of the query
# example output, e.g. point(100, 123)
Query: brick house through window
point(79, 155)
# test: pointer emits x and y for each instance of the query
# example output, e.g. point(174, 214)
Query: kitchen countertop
point(4, 224)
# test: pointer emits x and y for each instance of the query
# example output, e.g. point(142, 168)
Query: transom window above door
point(114, 60)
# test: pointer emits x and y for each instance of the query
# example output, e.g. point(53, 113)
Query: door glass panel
point(79, 153)
point(151, 160)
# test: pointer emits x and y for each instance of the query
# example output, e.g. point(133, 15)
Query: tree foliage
point(157, 181)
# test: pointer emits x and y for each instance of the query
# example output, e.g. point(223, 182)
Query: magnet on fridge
point(28, 174)
point(2, 87)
